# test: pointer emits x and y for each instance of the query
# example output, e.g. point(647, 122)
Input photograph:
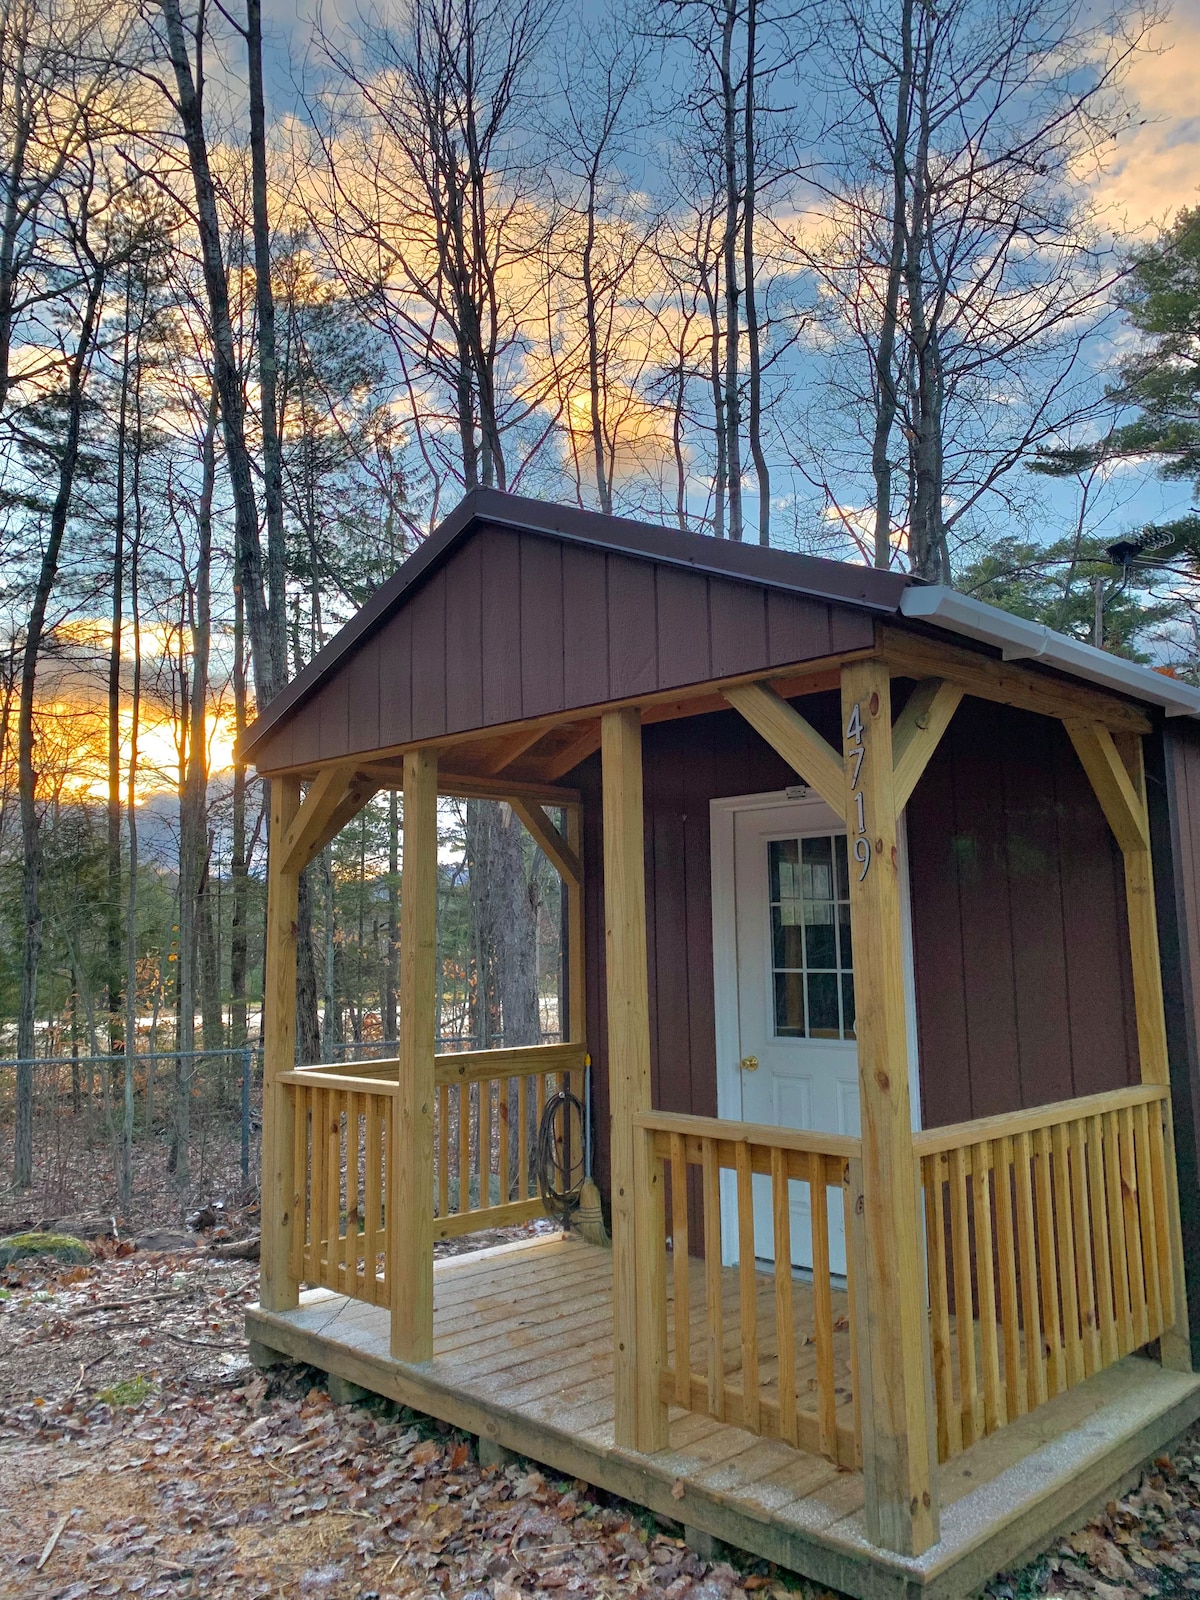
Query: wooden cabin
point(883, 915)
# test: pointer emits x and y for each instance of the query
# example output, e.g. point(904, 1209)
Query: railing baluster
point(1162, 1212)
point(1147, 1212)
point(949, 1424)
point(1106, 1316)
point(1140, 1322)
point(680, 1271)
point(785, 1323)
point(714, 1319)
point(747, 1288)
point(1035, 1350)
point(822, 1306)
point(504, 1114)
point(300, 1211)
point(964, 1315)
point(522, 1138)
point(1006, 1265)
point(353, 1153)
point(485, 1142)
point(1116, 1231)
point(373, 1196)
point(993, 1409)
point(1082, 1223)
point(1048, 1264)
point(464, 1147)
point(852, 1186)
point(1065, 1242)
point(443, 1150)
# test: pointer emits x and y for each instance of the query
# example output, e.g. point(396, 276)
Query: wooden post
point(638, 1273)
point(410, 1162)
point(278, 1290)
point(899, 1452)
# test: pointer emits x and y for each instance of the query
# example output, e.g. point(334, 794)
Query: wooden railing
point(489, 1103)
point(775, 1353)
point(343, 1144)
point(1049, 1250)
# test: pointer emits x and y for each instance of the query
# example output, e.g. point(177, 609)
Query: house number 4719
point(857, 752)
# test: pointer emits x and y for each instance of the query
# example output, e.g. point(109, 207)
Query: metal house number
point(858, 754)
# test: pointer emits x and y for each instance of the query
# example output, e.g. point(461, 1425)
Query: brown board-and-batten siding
point(1173, 793)
point(516, 624)
point(1023, 982)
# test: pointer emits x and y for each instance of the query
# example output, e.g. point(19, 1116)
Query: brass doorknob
point(749, 1063)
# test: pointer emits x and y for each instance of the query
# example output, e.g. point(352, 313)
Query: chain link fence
point(197, 1127)
point(185, 1153)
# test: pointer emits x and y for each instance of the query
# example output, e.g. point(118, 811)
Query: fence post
point(247, 1068)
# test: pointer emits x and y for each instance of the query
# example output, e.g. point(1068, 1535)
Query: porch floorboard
point(523, 1356)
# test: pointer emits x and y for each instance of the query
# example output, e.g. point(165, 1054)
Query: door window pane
point(810, 937)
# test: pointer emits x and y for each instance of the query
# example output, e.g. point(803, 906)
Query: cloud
point(1156, 168)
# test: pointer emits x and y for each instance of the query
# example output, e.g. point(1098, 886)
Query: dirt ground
point(140, 1454)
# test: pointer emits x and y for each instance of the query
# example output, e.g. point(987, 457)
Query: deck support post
point(410, 1158)
point(278, 1289)
point(1115, 767)
point(899, 1451)
point(638, 1270)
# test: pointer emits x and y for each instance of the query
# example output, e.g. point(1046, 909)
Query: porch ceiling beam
point(513, 747)
point(582, 746)
point(549, 840)
point(918, 732)
point(327, 797)
point(473, 786)
point(912, 655)
point(795, 739)
point(1109, 777)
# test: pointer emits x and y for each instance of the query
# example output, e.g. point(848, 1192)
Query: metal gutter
point(1020, 640)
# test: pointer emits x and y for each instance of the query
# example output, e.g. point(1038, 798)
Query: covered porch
point(990, 1329)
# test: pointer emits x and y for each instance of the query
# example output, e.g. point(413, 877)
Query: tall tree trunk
point(331, 1031)
point(31, 840)
point(193, 832)
point(762, 470)
point(239, 870)
point(308, 1032)
point(733, 421)
point(247, 549)
point(595, 384)
point(264, 300)
point(886, 398)
point(113, 906)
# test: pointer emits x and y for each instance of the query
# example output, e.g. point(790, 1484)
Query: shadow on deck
point(523, 1357)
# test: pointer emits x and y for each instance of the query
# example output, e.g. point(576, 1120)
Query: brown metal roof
point(839, 583)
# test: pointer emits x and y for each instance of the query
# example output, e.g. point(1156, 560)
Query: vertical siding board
point(541, 641)
point(850, 629)
point(632, 627)
point(942, 1040)
point(585, 626)
point(464, 637)
point(334, 716)
point(1035, 891)
point(306, 734)
point(797, 629)
point(500, 574)
point(683, 647)
point(739, 627)
point(362, 673)
point(987, 928)
point(428, 611)
point(1099, 975)
point(395, 680)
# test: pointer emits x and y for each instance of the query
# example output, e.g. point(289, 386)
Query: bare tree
point(964, 264)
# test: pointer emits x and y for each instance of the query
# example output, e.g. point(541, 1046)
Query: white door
point(785, 991)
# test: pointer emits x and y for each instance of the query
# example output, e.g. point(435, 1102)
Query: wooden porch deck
point(523, 1357)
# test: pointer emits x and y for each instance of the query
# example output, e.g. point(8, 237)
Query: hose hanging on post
point(561, 1164)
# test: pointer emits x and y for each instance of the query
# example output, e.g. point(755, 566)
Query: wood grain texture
point(410, 1196)
point(637, 1269)
point(902, 1510)
point(280, 1180)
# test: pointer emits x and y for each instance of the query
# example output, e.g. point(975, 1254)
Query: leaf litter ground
point(140, 1454)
